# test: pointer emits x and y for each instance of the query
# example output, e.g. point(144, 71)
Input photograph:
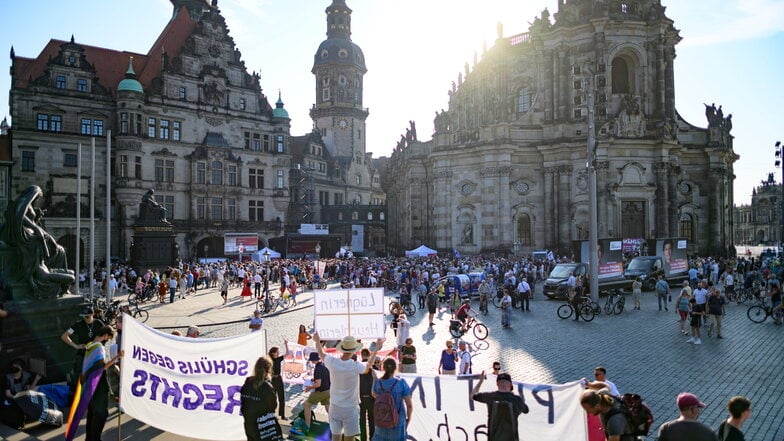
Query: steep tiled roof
point(110, 65)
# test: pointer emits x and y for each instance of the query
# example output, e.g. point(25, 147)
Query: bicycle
point(566, 310)
point(760, 312)
point(615, 303)
point(137, 313)
point(283, 302)
point(458, 329)
point(406, 306)
point(148, 292)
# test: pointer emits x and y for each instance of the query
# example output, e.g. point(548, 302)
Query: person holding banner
point(344, 390)
point(503, 408)
point(259, 400)
point(92, 391)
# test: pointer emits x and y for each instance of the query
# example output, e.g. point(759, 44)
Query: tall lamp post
point(780, 164)
point(318, 257)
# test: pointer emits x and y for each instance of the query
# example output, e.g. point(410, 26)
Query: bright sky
point(732, 54)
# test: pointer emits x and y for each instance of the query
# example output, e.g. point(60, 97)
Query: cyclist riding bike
point(462, 313)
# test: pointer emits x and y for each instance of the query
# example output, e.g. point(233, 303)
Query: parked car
point(555, 285)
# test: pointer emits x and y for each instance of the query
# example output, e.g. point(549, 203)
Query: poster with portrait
point(610, 256)
point(673, 254)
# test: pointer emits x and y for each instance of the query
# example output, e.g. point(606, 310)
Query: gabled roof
point(109, 64)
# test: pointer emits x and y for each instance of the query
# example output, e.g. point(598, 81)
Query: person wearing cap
point(320, 388)
point(344, 391)
point(256, 321)
point(77, 336)
point(503, 407)
point(17, 380)
point(686, 427)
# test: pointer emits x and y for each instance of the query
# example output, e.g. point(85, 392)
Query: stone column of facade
point(661, 203)
point(673, 172)
point(602, 198)
point(560, 88)
point(564, 196)
point(716, 212)
point(670, 82)
point(549, 200)
point(547, 81)
point(442, 218)
point(504, 218)
point(661, 80)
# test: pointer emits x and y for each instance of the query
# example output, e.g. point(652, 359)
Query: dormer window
point(81, 85)
point(59, 82)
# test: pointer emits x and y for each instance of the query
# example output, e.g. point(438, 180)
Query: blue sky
point(732, 54)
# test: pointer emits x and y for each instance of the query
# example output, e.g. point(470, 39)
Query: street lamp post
point(780, 164)
point(318, 258)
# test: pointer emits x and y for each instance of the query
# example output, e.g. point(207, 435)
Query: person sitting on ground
point(17, 380)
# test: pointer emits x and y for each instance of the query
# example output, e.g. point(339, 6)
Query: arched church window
point(524, 229)
point(686, 227)
point(524, 100)
point(620, 76)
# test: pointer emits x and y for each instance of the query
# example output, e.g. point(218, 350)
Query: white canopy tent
point(258, 256)
point(422, 251)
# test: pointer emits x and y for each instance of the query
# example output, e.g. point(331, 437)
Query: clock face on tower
point(342, 123)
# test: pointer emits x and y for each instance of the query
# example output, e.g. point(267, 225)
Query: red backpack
point(385, 408)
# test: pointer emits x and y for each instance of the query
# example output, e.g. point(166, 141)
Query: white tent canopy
point(422, 251)
point(258, 256)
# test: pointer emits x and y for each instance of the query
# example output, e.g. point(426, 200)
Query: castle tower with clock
point(339, 67)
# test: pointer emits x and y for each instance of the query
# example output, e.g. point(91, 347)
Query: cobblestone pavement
point(643, 351)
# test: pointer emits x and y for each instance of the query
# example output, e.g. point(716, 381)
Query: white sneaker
point(690, 340)
point(698, 342)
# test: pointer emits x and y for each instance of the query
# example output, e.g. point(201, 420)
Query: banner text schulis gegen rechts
point(190, 387)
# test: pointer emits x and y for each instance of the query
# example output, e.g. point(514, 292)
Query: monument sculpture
point(153, 245)
point(33, 264)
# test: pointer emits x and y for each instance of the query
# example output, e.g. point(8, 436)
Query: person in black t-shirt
point(503, 408)
point(276, 379)
point(740, 410)
point(77, 336)
point(367, 421)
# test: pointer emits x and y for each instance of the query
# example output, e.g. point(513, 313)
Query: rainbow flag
point(92, 370)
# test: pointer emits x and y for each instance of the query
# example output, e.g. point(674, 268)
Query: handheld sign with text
point(356, 312)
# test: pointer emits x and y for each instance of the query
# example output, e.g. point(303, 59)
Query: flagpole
point(92, 218)
point(108, 210)
point(78, 215)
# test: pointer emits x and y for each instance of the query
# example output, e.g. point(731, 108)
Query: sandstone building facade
point(506, 167)
point(188, 120)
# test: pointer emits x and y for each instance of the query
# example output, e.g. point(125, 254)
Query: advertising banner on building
point(187, 386)
point(357, 238)
point(233, 241)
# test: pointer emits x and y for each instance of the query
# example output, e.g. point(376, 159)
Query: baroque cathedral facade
point(506, 170)
point(188, 120)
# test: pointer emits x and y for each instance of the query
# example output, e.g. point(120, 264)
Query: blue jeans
point(662, 299)
point(172, 294)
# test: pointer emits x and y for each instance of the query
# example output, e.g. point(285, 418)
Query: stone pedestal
point(33, 328)
point(154, 247)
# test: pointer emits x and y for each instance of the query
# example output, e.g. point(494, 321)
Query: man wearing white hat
point(344, 390)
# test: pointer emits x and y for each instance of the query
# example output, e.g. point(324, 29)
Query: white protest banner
point(444, 410)
point(356, 312)
point(296, 368)
point(187, 386)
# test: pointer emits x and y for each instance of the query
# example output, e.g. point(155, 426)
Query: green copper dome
point(130, 84)
point(279, 111)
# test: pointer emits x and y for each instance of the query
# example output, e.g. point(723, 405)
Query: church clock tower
point(339, 68)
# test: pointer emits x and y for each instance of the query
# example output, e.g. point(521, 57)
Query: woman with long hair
point(258, 403)
point(277, 380)
point(401, 393)
point(303, 336)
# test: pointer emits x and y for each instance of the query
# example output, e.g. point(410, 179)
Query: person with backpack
point(503, 408)
point(612, 413)
point(465, 359)
point(390, 416)
point(344, 385)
